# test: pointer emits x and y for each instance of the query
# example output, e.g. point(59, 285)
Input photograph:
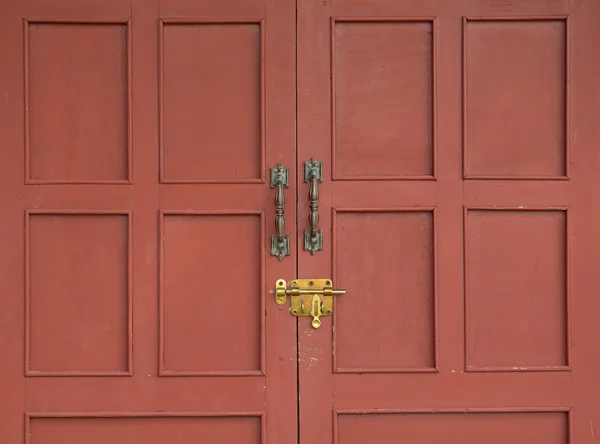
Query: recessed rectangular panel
point(515, 106)
point(211, 98)
point(383, 119)
point(147, 430)
point(77, 102)
point(211, 294)
point(77, 294)
point(516, 284)
point(464, 428)
point(385, 260)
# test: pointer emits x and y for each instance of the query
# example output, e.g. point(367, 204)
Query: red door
point(459, 208)
point(137, 214)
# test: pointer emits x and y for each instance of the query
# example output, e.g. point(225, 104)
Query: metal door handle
point(313, 239)
point(280, 242)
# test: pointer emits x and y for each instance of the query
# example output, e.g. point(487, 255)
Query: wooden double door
point(458, 204)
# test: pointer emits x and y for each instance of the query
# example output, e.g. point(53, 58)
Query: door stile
point(584, 212)
point(281, 334)
point(12, 324)
point(314, 135)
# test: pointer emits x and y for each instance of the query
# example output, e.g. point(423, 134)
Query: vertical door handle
point(280, 242)
point(313, 238)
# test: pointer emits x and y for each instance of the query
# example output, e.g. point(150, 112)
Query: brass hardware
point(313, 239)
point(315, 311)
point(280, 243)
point(308, 297)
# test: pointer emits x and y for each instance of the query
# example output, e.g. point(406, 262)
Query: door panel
point(138, 220)
point(231, 81)
point(458, 211)
point(457, 208)
point(396, 110)
point(361, 242)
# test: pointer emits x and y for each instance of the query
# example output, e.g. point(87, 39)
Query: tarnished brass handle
point(313, 239)
point(280, 242)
